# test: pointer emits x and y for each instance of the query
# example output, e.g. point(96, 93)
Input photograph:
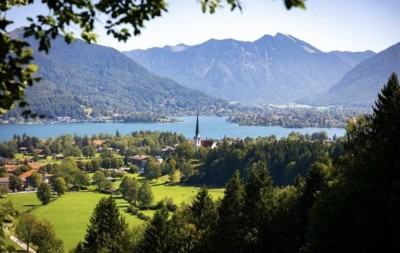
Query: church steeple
point(197, 140)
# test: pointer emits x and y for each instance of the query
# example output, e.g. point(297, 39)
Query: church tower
point(196, 138)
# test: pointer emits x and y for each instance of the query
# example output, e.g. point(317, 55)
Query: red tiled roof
point(27, 174)
point(10, 167)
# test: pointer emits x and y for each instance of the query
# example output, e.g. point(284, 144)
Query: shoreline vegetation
point(286, 116)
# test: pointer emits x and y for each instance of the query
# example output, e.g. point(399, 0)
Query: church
point(202, 143)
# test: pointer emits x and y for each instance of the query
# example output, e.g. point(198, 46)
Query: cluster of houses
point(11, 166)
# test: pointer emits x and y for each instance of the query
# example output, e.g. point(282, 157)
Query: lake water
point(210, 127)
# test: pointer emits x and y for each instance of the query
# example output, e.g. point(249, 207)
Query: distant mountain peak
point(178, 48)
point(286, 36)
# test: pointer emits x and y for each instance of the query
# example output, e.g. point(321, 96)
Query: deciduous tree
point(44, 193)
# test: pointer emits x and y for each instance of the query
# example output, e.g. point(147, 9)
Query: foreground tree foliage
point(122, 20)
point(359, 212)
point(39, 232)
point(107, 229)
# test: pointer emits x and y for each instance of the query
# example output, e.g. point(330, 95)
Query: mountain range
point(272, 69)
point(361, 85)
point(79, 77)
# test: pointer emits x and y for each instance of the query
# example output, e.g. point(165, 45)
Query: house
point(168, 150)
point(209, 144)
point(4, 182)
point(97, 144)
point(23, 150)
point(140, 161)
point(10, 168)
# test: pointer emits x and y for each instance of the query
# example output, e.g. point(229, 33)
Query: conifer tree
point(359, 211)
point(257, 206)
point(228, 231)
point(156, 234)
point(203, 216)
point(106, 229)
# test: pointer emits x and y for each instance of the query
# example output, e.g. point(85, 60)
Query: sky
point(345, 25)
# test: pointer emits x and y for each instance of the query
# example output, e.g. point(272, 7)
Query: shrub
point(142, 216)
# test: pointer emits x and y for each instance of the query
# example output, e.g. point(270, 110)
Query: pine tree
point(359, 210)
point(228, 231)
point(106, 228)
point(156, 234)
point(257, 206)
point(203, 216)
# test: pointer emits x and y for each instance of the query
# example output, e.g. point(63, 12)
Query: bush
point(160, 204)
point(142, 216)
point(133, 210)
point(133, 168)
point(169, 203)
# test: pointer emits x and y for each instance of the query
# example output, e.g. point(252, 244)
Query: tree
point(25, 228)
point(203, 216)
point(358, 211)
point(257, 206)
point(88, 151)
point(185, 150)
point(44, 193)
point(186, 170)
point(44, 236)
point(35, 179)
point(227, 234)
point(107, 228)
point(129, 189)
point(145, 195)
point(60, 186)
point(99, 178)
point(152, 170)
point(156, 235)
point(16, 183)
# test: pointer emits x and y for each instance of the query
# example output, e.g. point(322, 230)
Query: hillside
point(79, 76)
point(361, 85)
point(272, 69)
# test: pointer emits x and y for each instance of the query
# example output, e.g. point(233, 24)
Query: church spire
point(196, 138)
point(197, 134)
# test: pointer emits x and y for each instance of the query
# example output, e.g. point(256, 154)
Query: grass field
point(22, 201)
point(70, 214)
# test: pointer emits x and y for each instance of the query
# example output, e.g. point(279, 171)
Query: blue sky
point(346, 25)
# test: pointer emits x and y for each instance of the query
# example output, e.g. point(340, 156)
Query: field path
point(21, 244)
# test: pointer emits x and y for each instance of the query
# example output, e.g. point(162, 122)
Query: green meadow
point(70, 213)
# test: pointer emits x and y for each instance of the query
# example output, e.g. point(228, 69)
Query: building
point(198, 142)
point(140, 161)
point(4, 182)
point(196, 138)
point(209, 144)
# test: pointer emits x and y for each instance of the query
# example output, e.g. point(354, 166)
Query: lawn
point(70, 215)
point(22, 201)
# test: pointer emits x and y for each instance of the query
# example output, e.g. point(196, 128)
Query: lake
point(210, 127)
